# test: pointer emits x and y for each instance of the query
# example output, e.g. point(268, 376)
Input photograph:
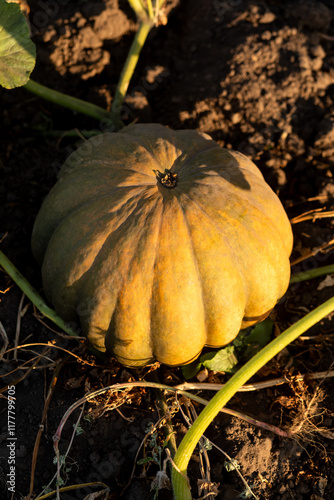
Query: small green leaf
point(247, 493)
point(61, 460)
point(240, 341)
point(224, 360)
point(261, 333)
point(79, 430)
point(258, 337)
point(149, 427)
point(144, 461)
point(60, 481)
point(250, 341)
point(89, 418)
point(189, 371)
point(206, 444)
point(231, 465)
point(17, 51)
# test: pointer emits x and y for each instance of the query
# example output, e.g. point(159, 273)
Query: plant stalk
point(189, 442)
point(150, 9)
point(33, 295)
point(312, 273)
point(138, 8)
point(67, 101)
point(128, 69)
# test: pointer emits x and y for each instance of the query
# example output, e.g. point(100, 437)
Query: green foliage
point(223, 360)
point(144, 461)
point(250, 341)
point(17, 51)
point(191, 370)
point(79, 430)
point(244, 346)
point(231, 465)
point(60, 482)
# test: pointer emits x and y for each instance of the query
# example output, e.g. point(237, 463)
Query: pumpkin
point(161, 242)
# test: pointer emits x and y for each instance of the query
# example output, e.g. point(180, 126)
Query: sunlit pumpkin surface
point(154, 270)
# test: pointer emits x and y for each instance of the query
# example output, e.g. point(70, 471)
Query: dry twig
point(317, 213)
point(5, 341)
point(313, 252)
point(20, 313)
point(31, 368)
point(52, 386)
point(186, 386)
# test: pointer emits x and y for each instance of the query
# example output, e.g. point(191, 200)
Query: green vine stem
point(189, 442)
point(150, 9)
point(67, 101)
point(33, 295)
point(148, 18)
point(313, 273)
point(129, 67)
point(143, 13)
point(138, 8)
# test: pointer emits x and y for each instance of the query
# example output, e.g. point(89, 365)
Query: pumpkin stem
point(167, 179)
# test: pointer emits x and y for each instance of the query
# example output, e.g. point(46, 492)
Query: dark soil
point(258, 76)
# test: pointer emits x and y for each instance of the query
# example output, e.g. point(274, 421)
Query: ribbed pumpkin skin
point(158, 273)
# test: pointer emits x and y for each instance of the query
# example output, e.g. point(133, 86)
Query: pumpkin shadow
point(238, 179)
point(230, 166)
point(230, 172)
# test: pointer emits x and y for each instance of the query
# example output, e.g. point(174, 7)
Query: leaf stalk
point(128, 70)
point(189, 442)
point(33, 295)
point(67, 101)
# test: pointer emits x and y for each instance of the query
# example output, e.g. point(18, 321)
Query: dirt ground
point(258, 76)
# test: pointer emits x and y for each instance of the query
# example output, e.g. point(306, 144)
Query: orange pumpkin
point(161, 242)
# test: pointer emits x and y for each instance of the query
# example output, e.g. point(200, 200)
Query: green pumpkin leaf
point(239, 341)
point(17, 51)
point(223, 360)
point(189, 371)
point(261, 333)
point(258, 337)
point(253, 339)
